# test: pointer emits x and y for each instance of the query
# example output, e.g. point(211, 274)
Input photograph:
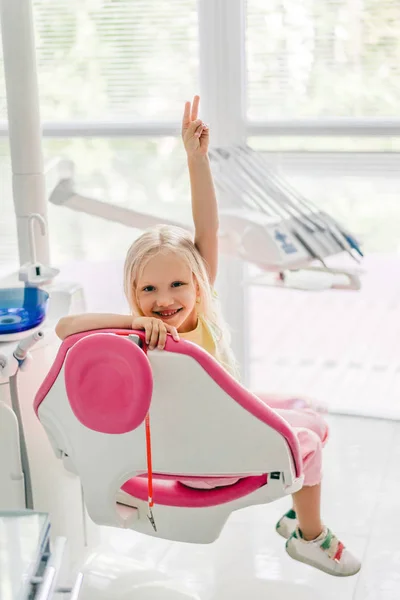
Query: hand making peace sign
point(195, 133)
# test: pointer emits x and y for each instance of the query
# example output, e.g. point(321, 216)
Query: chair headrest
point(104, 389)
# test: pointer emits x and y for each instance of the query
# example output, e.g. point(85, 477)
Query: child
point(169, 282)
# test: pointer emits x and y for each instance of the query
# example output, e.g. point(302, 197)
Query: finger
point(202, 131)
point(195, 108)
point(162, 337)
point(194, 127)
point(205, 135)
point(186, 116)
point(147, 329)
point(173, 332)
point(154, 335)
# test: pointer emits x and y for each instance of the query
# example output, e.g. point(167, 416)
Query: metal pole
point(24, 124)
point(222, 87)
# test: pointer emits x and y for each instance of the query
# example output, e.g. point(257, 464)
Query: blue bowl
point(22, 309)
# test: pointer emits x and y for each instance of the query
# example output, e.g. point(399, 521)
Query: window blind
point(115, 59)
point(323, 58)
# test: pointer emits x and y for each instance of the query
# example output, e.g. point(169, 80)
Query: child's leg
point(311, 542)
point(307, 504)
point(307, 501)
point(277, 401)
point(306, 419)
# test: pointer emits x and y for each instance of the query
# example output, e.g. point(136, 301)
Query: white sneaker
point(325, 553)
point(287, 524)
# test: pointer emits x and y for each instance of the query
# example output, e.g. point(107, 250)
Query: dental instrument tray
point(274, 226)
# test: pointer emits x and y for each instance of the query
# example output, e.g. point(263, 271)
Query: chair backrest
point(102, 384)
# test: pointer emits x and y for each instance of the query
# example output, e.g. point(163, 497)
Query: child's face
point(167, 290)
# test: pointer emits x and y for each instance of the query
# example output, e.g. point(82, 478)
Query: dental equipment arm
point(262, 219)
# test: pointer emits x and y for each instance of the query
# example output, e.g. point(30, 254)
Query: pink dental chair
point(208, 447)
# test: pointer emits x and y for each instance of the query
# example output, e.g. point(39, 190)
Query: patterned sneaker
point(325, 553)
point(287, 524)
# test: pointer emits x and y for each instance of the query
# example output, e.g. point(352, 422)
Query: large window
point(133, 61)
point(310, 58)
point(104, 61)
point(313, 61)
point(113, 59)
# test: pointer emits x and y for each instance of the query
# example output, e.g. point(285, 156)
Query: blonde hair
point(166, 238)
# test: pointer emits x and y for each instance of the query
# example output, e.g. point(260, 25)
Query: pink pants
point(311, 431)
point(310, 428)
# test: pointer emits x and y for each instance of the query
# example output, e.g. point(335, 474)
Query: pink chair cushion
point(109, 383)
point(209, 483)
point(258, 408)
point(60, 358)
point(168, 491)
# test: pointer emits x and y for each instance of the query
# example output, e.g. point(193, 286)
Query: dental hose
point(20, 355)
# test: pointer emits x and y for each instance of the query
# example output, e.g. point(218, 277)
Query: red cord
point(148, 454)
point(149, 462)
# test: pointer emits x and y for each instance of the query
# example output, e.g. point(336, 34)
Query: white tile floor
point(360, 500)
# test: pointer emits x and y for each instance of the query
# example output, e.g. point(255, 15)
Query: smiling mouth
point(165, 314)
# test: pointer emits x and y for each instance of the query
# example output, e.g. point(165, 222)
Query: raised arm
point(195, 137)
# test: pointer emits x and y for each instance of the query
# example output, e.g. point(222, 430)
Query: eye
point(177, 284)
point(148, 288)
